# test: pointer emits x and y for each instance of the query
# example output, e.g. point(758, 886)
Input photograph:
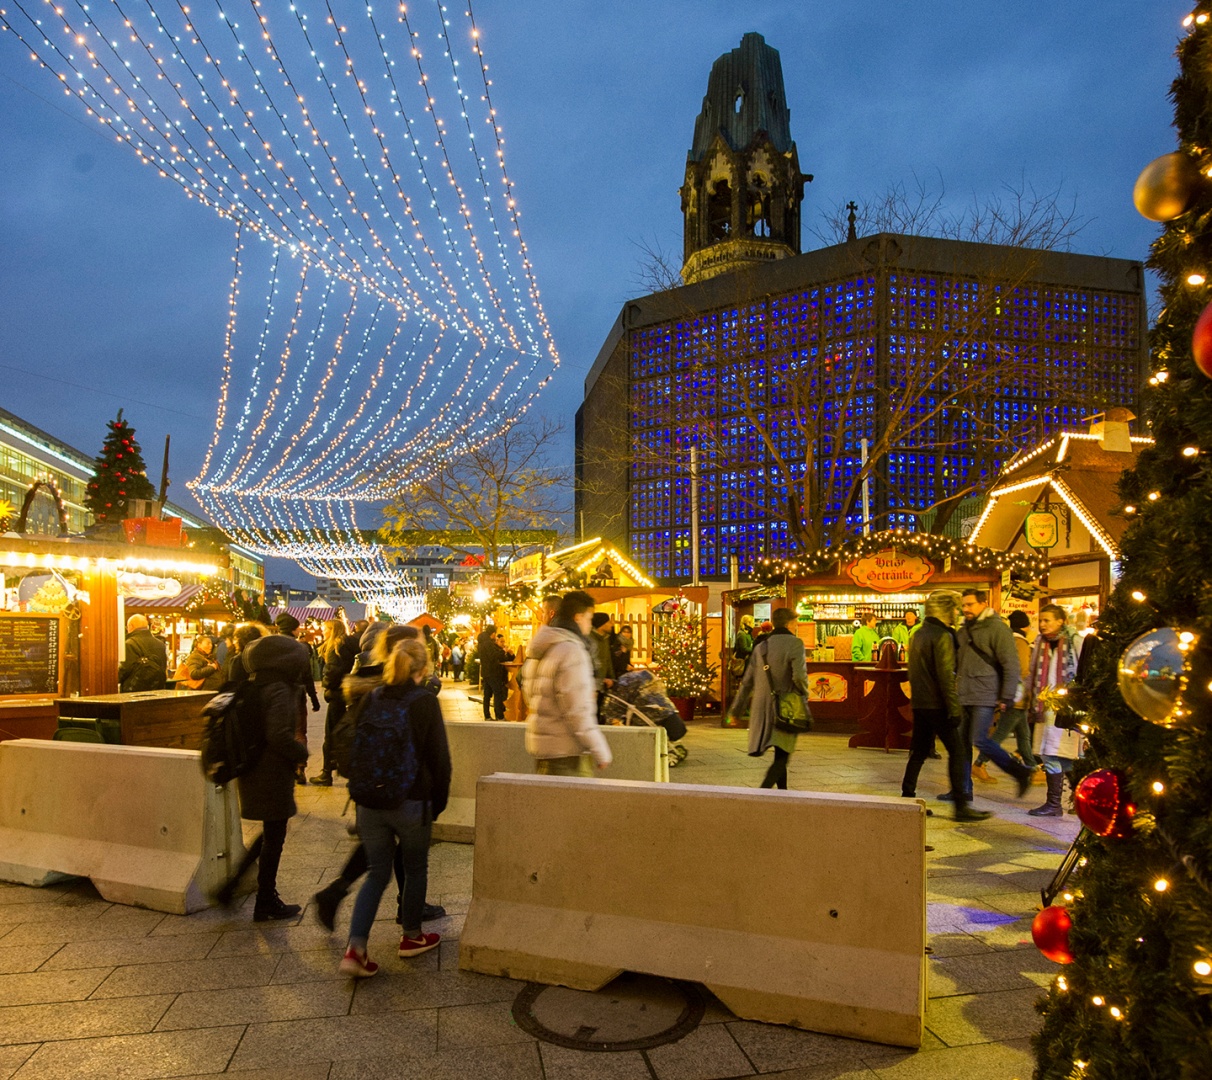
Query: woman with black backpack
point(400, 780)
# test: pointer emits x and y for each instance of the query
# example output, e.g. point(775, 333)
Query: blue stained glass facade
point(735, 381)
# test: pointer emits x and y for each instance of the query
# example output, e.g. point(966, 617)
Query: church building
point(798, 395)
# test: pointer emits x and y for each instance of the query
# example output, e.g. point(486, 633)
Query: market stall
point(618, 587)
point(886, 575)
point(62, 616)
point(1060, 498)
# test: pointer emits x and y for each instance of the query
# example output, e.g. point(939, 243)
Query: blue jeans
point(1054, 764)
point(411, 824)
point(978, 725)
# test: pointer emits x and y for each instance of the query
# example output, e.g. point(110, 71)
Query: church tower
point(741, 199)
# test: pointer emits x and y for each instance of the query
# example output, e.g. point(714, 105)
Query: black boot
point(1052, 808)
point(271, 908)
point(327, 900)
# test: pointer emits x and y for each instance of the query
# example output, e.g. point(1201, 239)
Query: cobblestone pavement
point(93, 989)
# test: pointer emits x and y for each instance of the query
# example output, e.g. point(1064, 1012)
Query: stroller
point(638, 697)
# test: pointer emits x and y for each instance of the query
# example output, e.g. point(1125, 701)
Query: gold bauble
point(1164, 188)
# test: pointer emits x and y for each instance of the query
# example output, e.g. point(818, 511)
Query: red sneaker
point(359, 965)
point(415, 946)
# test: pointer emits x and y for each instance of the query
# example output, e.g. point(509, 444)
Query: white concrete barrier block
point(142, 823)
point(481, 748)
point(792, 907)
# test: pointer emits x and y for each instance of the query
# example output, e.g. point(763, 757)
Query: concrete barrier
point(141, 822)
point(481, 748)
point(792, 907)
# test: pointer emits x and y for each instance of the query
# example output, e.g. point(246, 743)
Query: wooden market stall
point(62, 617)
point(618, 587)
point(885, 574)
point(1060, 498)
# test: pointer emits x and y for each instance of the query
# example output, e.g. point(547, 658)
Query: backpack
point(146, 675)
point(383, 763)
point(234, 738)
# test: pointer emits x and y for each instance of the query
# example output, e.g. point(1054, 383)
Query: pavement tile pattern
point(93, 989)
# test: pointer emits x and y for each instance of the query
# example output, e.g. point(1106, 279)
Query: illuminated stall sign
point(890, 571)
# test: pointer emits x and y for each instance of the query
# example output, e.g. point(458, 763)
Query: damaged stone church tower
point(741, 198)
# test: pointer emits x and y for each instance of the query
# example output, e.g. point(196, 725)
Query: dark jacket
point(977, 680)
point(146, 663)
point(932, 668)
point(428, 732)
point(492, 656)
point(277, 665)
point(338, 666)
point(204, 666)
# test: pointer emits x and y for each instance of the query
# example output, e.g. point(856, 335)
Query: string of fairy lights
point(383, 305)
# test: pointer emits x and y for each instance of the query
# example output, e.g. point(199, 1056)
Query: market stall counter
point(167, 718)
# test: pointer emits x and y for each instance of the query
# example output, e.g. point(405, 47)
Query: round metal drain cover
point(635, 1012)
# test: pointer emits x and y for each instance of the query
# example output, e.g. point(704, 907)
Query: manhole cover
point(635, 1012)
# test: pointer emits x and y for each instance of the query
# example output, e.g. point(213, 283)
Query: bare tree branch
point(486, 491)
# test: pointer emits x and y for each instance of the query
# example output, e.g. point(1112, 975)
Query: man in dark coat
point(493, 677)
point(936, 706)
point(146, 663)
point(278, 666)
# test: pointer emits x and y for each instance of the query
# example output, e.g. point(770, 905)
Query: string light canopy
point(1024, 566)
point(383, 303)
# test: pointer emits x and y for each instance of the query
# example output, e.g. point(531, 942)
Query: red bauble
point(1201, 342)
point(1103, 805)
point(1050, 932)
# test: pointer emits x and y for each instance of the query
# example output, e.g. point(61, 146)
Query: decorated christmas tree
point(678, 650)
point(120, 475)
point(1134, 998)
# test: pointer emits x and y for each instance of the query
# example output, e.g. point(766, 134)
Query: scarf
point(1041, 662)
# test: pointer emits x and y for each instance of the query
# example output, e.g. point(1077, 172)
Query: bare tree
point(488, 498)
point(1019, 216)
point(657, 268)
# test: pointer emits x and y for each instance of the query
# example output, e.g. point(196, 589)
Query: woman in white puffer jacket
point(562, 730)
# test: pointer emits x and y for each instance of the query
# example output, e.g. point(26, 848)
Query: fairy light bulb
point(1196, 279)
point(1190, 451)
point(1098, 1000)
point(1161, 885)
point(1138, 596)
point(1158, 787)
point(1202, 968)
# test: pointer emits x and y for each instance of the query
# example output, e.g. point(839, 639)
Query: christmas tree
point(1136, 998)
point(678, 653)
point(120, 475)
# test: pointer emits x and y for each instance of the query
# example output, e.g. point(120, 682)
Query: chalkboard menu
point(29, 654)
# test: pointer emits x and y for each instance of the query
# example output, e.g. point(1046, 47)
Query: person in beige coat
point(562, 732)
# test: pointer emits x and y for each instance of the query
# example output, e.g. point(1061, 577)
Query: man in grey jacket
point(562, 732)
point(986, 678)
point(936, 707)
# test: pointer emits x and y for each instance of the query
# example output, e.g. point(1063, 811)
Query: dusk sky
point(113, 286)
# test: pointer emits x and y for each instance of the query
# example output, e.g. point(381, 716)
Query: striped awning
point(303, 612)
point(164, 603)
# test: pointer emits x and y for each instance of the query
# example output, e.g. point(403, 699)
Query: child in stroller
point(638, 697)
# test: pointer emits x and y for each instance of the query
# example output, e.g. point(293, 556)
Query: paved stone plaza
point(93, 989)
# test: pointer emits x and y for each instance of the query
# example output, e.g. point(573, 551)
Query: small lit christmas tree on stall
point(1135, 997)
point(678, 653)
point(120, 475)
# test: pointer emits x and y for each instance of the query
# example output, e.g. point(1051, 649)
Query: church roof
point(744, 96)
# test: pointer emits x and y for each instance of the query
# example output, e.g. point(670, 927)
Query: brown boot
point(979, 772)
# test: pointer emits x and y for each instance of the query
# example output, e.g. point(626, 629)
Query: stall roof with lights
point(1076, 473)
point(601, 563)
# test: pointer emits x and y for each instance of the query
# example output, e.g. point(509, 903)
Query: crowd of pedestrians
point(975, 683)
